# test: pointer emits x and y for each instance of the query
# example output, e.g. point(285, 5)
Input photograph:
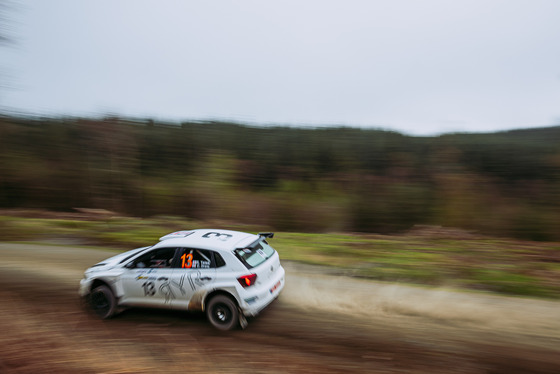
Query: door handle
point(206, 279)
point(162, 278)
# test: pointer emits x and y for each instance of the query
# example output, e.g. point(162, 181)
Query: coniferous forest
point(286, 178)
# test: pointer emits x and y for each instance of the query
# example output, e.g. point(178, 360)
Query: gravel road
point(321, 323)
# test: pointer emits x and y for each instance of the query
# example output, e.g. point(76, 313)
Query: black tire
point(103, 302)
point(222, 313)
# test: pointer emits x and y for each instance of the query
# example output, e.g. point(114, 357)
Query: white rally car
point(229, 274)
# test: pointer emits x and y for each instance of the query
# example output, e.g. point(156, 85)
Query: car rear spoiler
point(262, 236)
point(266, 234)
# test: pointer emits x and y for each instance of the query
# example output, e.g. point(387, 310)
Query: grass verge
point(495, 265)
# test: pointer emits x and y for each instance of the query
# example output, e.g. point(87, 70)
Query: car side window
point(158, 258)
point(194, 258)
point(218, 260)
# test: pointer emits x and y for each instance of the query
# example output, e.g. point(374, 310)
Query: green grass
point(494, 265)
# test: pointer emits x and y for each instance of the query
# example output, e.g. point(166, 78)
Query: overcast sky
point(419, 67)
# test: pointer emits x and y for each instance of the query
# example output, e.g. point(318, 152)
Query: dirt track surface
point(321, 323)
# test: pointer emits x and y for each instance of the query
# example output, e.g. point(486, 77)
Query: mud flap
point(242, 320)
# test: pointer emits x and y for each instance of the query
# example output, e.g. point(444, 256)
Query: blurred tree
point(288, 178)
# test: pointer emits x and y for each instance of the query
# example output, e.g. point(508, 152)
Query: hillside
point(293, 179)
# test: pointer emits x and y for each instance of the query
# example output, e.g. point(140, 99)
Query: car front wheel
point(222, 312)
point(103, 302)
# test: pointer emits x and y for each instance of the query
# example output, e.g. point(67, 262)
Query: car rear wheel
point(222, 313)
point(103, 302)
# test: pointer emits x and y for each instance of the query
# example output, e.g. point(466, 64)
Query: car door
point(145, 279)
point(194, 273)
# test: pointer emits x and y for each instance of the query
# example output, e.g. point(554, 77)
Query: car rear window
point(255, 255)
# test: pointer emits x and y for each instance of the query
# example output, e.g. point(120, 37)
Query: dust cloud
point(399, 304)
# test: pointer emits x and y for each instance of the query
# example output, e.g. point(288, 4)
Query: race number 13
point(187, 260)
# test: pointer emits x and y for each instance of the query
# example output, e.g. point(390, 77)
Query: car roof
point(213, 239)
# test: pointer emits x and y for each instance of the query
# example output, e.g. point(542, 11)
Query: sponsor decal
point(196, 280)
point(220, 236)
point(149, 288)
point(142, 277)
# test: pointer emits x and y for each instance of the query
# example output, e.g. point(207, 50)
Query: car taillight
point(247, 280)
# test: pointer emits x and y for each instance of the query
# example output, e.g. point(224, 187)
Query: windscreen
point(255, 255)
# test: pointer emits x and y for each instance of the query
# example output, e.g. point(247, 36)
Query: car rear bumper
point(252, 303)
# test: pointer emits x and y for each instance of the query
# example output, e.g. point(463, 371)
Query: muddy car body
point(228, 274)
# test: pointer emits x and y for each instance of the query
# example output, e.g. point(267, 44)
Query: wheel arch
point(100, 282)
point(217, 292)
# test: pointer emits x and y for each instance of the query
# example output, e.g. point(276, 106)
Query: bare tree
point(6, 6)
